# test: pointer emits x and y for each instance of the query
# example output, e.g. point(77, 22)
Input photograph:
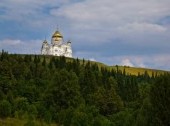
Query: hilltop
point(129, 70)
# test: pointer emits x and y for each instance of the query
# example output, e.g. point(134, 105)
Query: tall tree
point(160, 100)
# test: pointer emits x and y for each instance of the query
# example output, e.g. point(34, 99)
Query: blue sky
point(123, 32)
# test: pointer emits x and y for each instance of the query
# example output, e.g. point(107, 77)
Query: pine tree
point(160, 93)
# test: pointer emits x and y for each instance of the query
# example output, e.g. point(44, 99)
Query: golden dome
point(57, 34)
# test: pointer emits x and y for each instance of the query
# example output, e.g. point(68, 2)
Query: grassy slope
point(133, 70)
point(129, 70)
point(19, 122)
point(136, 71)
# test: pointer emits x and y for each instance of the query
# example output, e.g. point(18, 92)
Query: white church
point(57, 46)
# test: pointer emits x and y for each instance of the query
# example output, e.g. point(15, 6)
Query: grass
point(19, 122)
point(136, 70)
point(129, 70)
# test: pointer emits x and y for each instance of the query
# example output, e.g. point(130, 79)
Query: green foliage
point(160, 100)
point(123, 118)
point(145, 114)
point(84, 115)
point(32, 112)
point(102, 121)
point(47, 117)
point(5, 109)
point(29, 123)
point(108, 101)
point(72, 92)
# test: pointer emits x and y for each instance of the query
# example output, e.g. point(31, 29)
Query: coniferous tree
point(160, 93)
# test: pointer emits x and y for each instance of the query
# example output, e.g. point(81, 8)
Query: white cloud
point(126, 62)
point(92, 59)
point(135, 23)
point(142, 28)
point(101, 21)
point(9, 42)
point(155, 61)
point(20, 46)
point(99, 18)
point(113, 12)
point(32, 13)
point(161, 60)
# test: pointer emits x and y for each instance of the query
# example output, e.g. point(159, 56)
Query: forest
point(80, 93)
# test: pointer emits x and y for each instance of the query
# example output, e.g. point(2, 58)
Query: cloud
point(21, 47)
point(165, 20)
point(33, 13)
point(126, 62)
point(102, 21)
point(160, 61)
point(154, 61)
point(112, 9)
point(92, 59)
point(113, 13)
point(114, 32)
point(142, 28)
point(9, 42)
point(109, 18)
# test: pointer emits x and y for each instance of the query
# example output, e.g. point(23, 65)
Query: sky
point(115, 32)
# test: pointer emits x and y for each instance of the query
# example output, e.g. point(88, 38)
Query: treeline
point(79, 93)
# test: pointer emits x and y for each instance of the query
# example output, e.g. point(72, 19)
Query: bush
point(5, 109)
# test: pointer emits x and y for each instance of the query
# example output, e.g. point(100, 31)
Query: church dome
point(57, 34)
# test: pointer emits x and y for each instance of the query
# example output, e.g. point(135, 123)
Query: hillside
point(131, 70)
point(47, 90)
point(136, 70)
point(128, 69)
